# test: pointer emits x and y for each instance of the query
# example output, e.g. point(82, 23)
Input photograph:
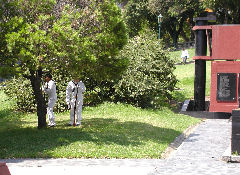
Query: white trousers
point(78, 113)
point(51, 117)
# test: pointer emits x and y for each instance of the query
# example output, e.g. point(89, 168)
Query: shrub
point(20, 90)
point(149, 78)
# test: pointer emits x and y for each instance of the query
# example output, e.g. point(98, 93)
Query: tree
point(177, 17)
point(78, 36)
point(228, 12)
point(137, 14)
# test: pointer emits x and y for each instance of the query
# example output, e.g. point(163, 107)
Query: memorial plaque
point(226, 86)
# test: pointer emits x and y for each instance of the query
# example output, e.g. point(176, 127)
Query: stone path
point(202, 151)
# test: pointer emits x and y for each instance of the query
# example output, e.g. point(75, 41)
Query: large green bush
point(20, 90)
point(149, 78)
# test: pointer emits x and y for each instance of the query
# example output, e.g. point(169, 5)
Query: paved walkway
point(199, 154)
point(202, 151)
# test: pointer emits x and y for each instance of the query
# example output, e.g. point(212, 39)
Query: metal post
point(159, 30)
point(235, 140)
point(200, 67)
point(159, 24)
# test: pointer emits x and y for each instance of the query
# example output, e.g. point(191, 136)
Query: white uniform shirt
point(185, 54)
point(50, 89)
point(74, 89)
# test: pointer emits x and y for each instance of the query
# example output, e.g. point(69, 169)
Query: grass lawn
point(177, 55)
point(185, 74)
point(109, 131)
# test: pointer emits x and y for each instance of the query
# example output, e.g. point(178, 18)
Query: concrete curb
point(228, 157)
point(178, 141)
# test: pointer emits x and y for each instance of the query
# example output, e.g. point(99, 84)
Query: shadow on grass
point(34, 143)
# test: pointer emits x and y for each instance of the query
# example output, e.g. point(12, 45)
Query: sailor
point(74, 100)
point(50, 89)
point(184, 55)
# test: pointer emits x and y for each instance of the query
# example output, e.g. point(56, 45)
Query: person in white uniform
point(50, 89)
point(184, 55)
point(74, 100)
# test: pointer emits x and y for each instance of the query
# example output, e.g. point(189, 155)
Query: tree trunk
point(35, 79)
point(172, 31)
point(183, 34)
point(175, 39)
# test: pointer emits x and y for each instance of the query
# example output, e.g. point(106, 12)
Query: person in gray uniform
point(74, 100)
point(50, 89)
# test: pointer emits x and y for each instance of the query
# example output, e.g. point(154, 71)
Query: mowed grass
point(176, 55)
point(108, 131)
point(185, 75)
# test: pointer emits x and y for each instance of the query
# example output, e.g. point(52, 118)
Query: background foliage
point(227, 12)
point(177, 18)
point(79, 36)
point(88, 41)
point(149, 78)
point(74, 38)
point(147, 82)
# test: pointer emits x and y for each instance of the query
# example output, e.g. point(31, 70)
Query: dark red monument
point(223, 45)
